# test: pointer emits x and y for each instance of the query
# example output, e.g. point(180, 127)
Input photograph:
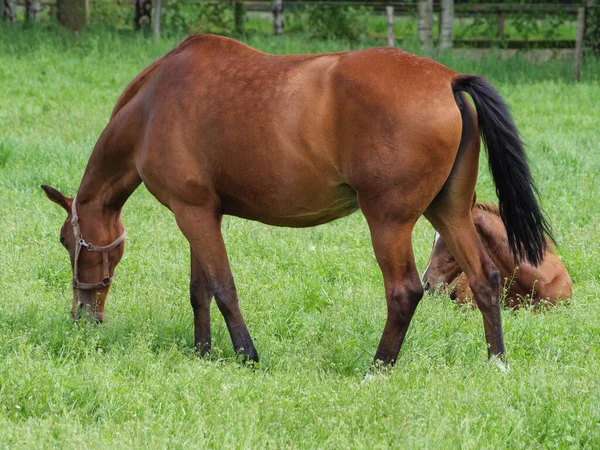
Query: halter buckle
point(82, 243)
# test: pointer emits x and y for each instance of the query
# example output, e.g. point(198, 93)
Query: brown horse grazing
point(216, 127)
point(548, 282)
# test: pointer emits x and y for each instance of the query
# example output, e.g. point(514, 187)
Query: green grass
point(313, 298)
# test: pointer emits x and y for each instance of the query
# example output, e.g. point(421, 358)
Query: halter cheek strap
point(104, 249)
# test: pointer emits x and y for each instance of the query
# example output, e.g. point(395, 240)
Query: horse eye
point(62, 241)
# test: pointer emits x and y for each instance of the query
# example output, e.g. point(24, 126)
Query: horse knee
point(403, 299)
point(196, 287)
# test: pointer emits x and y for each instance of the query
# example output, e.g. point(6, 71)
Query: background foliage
point(327, 21)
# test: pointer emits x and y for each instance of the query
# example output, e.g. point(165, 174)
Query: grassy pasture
point(313, 298)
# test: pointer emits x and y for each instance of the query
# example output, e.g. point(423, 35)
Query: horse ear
point(57, 197)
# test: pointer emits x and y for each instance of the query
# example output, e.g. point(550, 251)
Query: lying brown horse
point(549, 282)
point(216, 127)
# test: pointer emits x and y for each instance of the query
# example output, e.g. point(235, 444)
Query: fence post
point(157, 16)
point(592, 26)
point(425, 12)
point(579, 43)
point(239, 12)
point(390, 25)
point(446, 23)
point(278, 18)
point(500, 25)
point(143, 13)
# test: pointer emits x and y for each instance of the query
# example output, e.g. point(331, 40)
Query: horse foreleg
point(212, 276)
point(200, 298)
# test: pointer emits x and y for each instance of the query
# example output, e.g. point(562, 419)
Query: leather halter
point(104, 249)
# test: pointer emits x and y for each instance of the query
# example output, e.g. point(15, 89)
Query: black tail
point(525, 224)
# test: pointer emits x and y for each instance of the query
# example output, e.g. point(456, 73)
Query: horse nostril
point(427, 286)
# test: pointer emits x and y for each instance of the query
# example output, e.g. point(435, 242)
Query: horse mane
point(145, 75)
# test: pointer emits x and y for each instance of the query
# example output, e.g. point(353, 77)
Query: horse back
point(252, 128)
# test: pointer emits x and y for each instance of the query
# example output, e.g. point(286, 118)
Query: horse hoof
point(498, 362)
point(368, 378)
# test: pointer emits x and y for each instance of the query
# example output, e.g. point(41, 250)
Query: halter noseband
point(79, 243)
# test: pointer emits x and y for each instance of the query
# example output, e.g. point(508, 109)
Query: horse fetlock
point(242, 343)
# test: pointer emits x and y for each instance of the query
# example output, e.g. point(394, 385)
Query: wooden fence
point(393, 9)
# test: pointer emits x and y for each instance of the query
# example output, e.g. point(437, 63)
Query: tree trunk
point(157, 13)
point(425, 11)
point(143, 14)
point(32, 10)
point(446, 23)
point(72, 13)
point(278, 18)
point(9, 10)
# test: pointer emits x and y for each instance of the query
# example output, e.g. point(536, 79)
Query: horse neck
point(109, 179)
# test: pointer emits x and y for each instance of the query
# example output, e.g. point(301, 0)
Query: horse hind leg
point(403, 290)
point(450, 215)
point(484, 278)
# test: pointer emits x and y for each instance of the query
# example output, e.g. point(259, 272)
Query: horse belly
point(268, 154)
point(292, 206)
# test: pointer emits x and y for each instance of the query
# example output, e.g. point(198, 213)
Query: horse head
point(441, 269)
point(92, 265)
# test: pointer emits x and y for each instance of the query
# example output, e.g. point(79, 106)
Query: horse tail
point(525, 224)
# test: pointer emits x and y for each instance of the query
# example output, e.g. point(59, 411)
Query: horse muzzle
point(88, 305)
